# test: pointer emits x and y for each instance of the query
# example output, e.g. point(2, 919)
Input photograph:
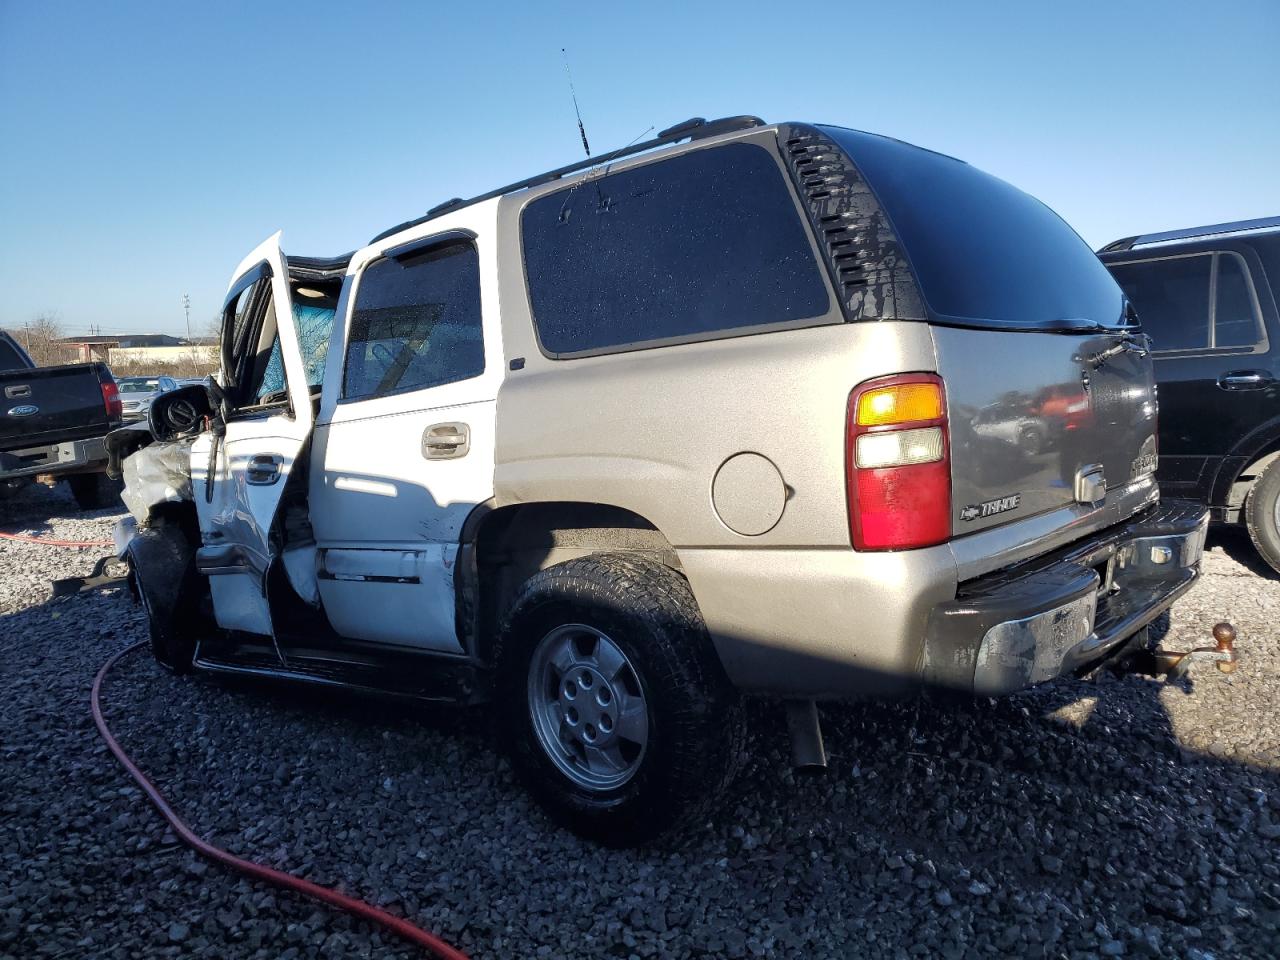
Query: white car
point(137, 394)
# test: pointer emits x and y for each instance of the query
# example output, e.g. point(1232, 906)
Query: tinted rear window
point(982, 250)
point(706, 242)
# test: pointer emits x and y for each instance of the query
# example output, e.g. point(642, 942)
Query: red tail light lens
point(898, 463)
point(111, 401)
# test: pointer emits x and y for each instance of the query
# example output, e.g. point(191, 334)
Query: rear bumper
point(838, 623)
point(1048, 617)
point(73, 456)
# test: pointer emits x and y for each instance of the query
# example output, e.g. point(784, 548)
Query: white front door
point(268, 419)
point(405, 438)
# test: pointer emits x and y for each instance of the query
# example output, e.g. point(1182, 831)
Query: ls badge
point(980, 511)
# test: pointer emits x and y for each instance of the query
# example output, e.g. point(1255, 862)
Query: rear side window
point(1234, 322)
point(9, 359)
point(700, 245)
point(1198, 302)
point(415, 323)
point(984, 252)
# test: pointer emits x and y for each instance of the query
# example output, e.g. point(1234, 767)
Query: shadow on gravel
point(1041, 818)
point(1068, 820)
point(1024, 826)
point(33, 509)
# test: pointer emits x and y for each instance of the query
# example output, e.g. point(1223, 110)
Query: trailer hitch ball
point(1224, 634)
point(1175, 664)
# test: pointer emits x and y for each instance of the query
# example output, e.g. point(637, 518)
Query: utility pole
point(186, 307)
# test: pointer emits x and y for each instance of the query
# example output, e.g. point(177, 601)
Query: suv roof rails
point(695, 128)
point(1213, 229)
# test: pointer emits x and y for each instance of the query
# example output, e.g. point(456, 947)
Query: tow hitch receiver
point(1174, 664)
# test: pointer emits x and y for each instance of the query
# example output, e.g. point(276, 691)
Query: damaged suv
point(774, 408)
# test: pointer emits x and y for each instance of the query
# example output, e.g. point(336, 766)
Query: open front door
point(239, 478)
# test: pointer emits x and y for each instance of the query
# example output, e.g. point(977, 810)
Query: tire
point(93, 491)
point(1261, 516)
point(1032, 441)
point(163, 572)
point(661, 774)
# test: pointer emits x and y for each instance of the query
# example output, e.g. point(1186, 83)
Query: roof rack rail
point(695, 128)
point(1236, 226)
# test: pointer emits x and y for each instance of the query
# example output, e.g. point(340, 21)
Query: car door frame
point(253, 457)
point(429, 549)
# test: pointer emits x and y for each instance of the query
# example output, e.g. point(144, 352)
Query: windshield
point(138, 385)
point(983, 252)
point(314, 322)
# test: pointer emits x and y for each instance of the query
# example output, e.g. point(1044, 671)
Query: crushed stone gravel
point(1114, 817)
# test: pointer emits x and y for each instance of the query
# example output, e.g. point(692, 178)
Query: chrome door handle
point(263, 470)
point(446, 441)
point(1245, 380)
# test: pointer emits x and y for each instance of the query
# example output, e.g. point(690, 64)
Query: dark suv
point(1206, 296)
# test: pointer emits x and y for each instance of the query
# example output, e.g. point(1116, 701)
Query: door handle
point(446, 441)
point(263, 470)
point(1245, 380)
point(18, 392)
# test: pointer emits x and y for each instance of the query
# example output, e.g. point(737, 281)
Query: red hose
point(45, 541)
point(404, 928)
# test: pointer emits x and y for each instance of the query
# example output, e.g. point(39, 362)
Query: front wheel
point(614, 706)
point(162, 566)
point(1262, 515)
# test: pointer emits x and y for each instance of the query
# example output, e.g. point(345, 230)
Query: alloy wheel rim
point(588, 707)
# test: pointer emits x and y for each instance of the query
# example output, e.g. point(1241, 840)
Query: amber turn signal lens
point(900, 403)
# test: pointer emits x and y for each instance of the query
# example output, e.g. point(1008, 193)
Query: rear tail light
point(111, 400)
point(898, 464)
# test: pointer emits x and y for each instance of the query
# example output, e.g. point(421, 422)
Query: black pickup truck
point(1207, 297)
point(52, 421)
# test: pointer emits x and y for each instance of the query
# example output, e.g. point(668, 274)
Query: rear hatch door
point(1050, 390)
point(1038, 421)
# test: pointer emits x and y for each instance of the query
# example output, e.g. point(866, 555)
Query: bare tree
point(41, 337)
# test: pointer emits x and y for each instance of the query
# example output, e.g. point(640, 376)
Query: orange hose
point(47, 542)
point(359, 908)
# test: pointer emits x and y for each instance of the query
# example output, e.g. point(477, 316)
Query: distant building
point(141, 347)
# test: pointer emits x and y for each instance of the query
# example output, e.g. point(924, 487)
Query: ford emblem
point(25, 410)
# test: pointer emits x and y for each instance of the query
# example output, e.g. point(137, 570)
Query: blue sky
point(148, 147)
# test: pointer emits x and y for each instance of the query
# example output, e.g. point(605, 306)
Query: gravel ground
point(1118, 817)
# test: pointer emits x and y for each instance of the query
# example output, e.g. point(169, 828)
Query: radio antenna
point(582, 131)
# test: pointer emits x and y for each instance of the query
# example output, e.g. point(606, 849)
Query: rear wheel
point(1262, 515)
point(614, 706)
point(93, 491)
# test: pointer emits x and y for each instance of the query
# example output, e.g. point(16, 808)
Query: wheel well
point(1246, 478)
point(180, 514)
point(510, 544)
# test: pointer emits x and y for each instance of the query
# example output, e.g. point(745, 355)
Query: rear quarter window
point(701, 245)
point(9, 358)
